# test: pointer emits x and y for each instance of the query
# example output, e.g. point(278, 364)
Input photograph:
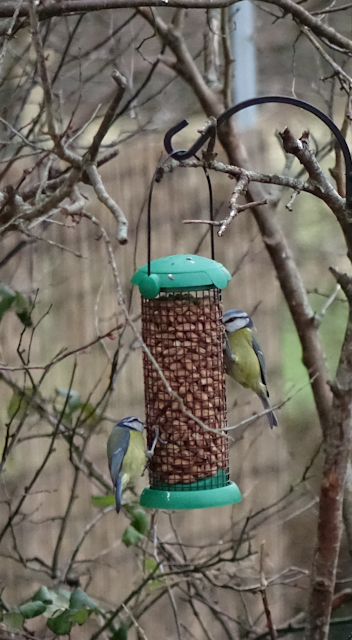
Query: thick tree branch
point(304, 17)
point(301, 149)
point(337, 450)
point(251, 176)
point(66, 7)
point(347, 506)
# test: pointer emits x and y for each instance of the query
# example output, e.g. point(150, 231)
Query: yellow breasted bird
point(243, 358)
point(126, 454)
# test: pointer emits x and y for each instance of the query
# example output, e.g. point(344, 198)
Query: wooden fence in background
point(78, 296)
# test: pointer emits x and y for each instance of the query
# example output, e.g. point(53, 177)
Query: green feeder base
point(220, 497)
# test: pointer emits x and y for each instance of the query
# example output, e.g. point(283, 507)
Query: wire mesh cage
point(184, 334)
point(182, 328)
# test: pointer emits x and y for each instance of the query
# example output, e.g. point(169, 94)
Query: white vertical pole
point(243, 51)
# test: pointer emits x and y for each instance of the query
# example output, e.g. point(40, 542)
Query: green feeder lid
point(182, 272)
point(201, 499)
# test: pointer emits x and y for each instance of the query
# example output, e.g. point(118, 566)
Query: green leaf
point(103, 501)
point(149, 564)
point(131, 536)
point(18, 405)
point(6, 291)
point(153, 585)
point(122, 632)
point(32, 609)
point(13, 620)
point(23, 309)
point(44, 595)
point(81, 616)
point(89, 415)
point(140, 521)
point(80, 599)
point(73, 398)
point(10, 299)
point(61, 624)
point(60, 599)
point(7, 296)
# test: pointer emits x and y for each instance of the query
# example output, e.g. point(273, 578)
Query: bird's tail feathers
point(271, 415)
point(118, 493)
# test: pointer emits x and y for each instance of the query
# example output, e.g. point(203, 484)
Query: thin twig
point(48, 95)
point(263, 586)
point(9, 32)
point(319, 316)
point(61, 151)
point(218, 223)
point(291, 201)
point(109, 115)
point(38, 406)
point(42, 465)
point(336, 67)
point(141, 631)
point(52, 243)
point(240, 189)
point(169, 590)
point(63, 356)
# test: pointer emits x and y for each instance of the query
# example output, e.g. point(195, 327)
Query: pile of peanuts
point(185, 335)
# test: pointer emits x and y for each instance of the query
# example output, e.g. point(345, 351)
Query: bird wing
point(229, 356)
point(119, 454)
point(260, 356)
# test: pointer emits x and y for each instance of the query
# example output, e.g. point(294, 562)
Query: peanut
point(185, 336)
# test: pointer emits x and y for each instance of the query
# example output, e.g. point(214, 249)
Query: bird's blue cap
point(237, 314)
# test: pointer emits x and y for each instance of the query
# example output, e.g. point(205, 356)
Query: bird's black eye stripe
point(235, 317)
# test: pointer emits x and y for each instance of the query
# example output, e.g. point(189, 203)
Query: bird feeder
point(182, 328)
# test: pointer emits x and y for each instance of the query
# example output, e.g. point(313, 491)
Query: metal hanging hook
point(167, 141)
point(182, 154)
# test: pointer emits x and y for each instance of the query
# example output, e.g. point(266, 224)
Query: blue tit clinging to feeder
point(243, 358)
point(126, 454)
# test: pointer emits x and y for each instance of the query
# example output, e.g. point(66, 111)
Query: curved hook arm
point(181, 155)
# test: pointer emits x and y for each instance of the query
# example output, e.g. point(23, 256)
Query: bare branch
point(301, 149)
point(65, 7)
point(103, 196)
point(252, 176)
point(109, 116)
point(346, 80)
point(38, 406)
point(8, 33)
point(263, 585)
point(219, 223)
point(240, 189)
point(48, 95)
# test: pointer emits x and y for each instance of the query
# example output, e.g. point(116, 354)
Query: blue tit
point(243, 358)
point(126, 454)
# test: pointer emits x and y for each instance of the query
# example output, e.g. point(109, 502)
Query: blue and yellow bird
point(244, 359)
point(126, 454)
